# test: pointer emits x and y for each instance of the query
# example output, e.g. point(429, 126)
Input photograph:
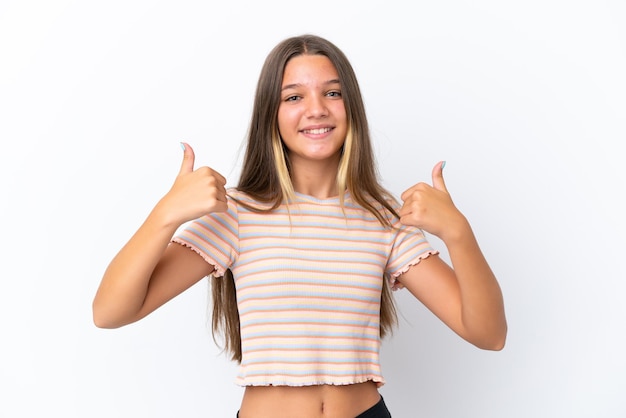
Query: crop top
point(308, 280)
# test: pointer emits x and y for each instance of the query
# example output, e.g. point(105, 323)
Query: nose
point(316, 107)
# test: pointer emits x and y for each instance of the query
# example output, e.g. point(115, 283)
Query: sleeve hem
point(393, 279)
point(219, 270)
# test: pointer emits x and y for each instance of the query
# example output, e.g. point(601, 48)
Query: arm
point(466, 296)
point(148, 271)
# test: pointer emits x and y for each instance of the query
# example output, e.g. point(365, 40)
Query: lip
point(317, 130)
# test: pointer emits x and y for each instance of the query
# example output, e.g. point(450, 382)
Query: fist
point(196, 192)
point(430, 207)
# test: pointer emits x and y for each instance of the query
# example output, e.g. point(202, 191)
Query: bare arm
point(148, 271)
point(466, 296)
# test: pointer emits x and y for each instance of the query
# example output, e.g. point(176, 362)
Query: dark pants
point(377, 411)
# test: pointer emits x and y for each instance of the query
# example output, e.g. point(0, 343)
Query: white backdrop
point(525, 101)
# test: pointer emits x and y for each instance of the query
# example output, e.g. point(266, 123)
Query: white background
point(524, 100)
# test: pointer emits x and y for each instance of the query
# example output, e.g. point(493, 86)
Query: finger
point(222, 195)
point(408, 192)
point(415, 188)
point(404, 211)
point(214, 178)
point(221, 204)
point(438, 182)
point(220, 179)
point(188, 159)
point(222, 207)
point(405, 194)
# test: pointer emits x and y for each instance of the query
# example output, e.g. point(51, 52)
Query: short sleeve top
point(308, 280)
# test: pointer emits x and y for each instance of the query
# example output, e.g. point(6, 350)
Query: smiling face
point(311, 116)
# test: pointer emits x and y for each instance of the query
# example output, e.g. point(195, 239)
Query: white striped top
point(308, 282)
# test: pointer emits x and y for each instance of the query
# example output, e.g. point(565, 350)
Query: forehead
point(306, 69)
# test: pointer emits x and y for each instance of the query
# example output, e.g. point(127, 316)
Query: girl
point(303, 252)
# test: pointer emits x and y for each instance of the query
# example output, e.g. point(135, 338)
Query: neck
point(317, 179)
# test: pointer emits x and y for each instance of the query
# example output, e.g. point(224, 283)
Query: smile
point(316, 131)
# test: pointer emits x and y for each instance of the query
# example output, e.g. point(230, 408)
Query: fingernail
point(182, 146)
point(443, 165)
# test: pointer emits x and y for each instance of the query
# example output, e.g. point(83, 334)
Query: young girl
point(303, 252)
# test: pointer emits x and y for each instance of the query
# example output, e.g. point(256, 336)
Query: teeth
point(317, 131)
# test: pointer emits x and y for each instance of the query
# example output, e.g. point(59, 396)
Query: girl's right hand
point(194, 192)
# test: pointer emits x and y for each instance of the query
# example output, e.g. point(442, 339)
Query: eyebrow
point(295, 85)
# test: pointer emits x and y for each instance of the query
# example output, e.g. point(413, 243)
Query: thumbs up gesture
point(195, 192)
point(430, 207)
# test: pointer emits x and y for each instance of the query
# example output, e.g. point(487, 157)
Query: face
point(311, 116)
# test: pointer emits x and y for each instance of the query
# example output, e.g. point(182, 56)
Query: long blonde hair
point(265, 172)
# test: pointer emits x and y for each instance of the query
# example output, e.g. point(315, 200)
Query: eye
point(334, 93)
point(292, 98)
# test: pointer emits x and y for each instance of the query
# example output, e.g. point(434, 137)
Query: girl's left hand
point(431, 208)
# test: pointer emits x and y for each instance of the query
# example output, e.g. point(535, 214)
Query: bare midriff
point(322, 401)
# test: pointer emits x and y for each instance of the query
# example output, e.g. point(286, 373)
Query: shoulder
point(243, 201)
point(386, 205)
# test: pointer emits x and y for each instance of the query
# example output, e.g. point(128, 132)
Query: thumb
point(438, 182)
point(188, 159)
